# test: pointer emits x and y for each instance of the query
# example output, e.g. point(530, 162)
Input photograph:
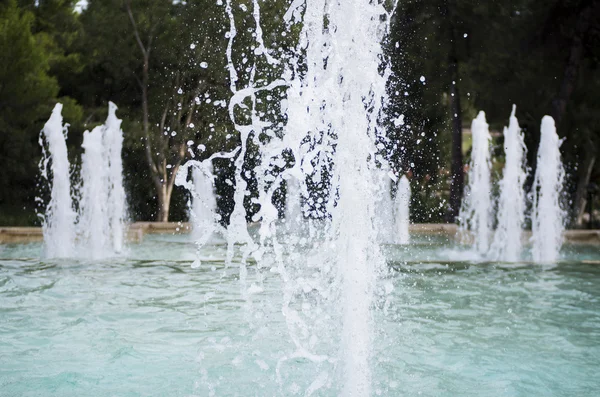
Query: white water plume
point(59, 219)
point(384, 216)
point(102, 204)
point(548, 218)
point(93, 224)
point(511, 205)
point(402, 206)
point(204, 204)
point(332, 103)
point(117, 201)
point(293, 204)
point(475, 214)
point(98, 230)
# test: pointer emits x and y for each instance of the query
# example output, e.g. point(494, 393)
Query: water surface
point(147, 324)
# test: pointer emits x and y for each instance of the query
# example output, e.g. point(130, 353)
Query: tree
point(27, 94)
point(165, 64)
point(156, 68)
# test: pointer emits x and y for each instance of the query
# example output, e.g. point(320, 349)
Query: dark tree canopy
point(163, 63)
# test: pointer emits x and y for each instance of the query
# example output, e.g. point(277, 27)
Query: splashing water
point(93, 224)
point(476, 209)
point(511, 206)
point(384, 216)
point(335, 89)
point(402, 205)
point(204, 204)
point(548, 218)
point(102, 205)
point(59, 220)
point(98, 230)
point(293, 204)
point(117, 201)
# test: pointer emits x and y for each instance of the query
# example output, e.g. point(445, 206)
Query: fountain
point(475, 214)
point(316, 310)
point(204, 205)
point(506, 245)
point(93, 223)
point(59, 219)
point(117, 201)
point(293, 204)
point(384, 216)
point(332, 111)
point(402, 206)
point(97, 230)
point(548, 218)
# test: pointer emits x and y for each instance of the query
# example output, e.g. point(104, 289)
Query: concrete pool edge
point(137, 230)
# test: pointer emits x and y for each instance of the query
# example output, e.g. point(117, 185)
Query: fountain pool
point(146, 323)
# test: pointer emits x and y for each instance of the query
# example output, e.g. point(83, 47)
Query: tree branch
point(135, 29)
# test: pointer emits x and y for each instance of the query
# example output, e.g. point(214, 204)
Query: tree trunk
point(559, 104)
point(158, 176)
point(164, 201)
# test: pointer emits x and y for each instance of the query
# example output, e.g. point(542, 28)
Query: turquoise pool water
point(147, 324)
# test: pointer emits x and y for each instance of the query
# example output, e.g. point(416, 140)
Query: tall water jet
point(511, 206)
point(293, 203)
point(59, 220)
point(93, 223)
point(347, 69)
point(335, 89)
point(475, 215)
point(204, 204)
point(384, 216)
point(98, 229)
point(101, 221)
point(548, 218)
point(402, 206)
point(113, 144)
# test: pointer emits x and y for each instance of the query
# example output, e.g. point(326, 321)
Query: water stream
point(507, 244)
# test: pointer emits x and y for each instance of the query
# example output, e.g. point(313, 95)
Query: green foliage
point(28, 91)
point(506, 52)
